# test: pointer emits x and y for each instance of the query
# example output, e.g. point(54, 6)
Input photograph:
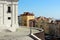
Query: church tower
point(9, 14)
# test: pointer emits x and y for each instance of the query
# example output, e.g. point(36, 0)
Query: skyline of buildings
point(50, 26)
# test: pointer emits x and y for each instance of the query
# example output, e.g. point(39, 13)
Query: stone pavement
point(21, 34)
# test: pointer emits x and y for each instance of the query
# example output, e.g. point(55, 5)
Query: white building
point(8, 14)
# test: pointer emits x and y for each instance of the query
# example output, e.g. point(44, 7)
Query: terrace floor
point(21, 34)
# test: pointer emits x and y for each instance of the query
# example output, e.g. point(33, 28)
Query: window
point(9, 9)
point(9, 18)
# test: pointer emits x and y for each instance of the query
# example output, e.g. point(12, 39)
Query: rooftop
point(27, 14)
point(57, 20)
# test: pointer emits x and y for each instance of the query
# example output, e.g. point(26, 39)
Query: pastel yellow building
point(25, 18)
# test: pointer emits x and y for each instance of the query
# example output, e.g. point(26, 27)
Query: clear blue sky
point(47, 8)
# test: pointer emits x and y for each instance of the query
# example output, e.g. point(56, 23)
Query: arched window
point(9, 9)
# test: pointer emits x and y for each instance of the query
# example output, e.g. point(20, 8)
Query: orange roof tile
point(27, 14)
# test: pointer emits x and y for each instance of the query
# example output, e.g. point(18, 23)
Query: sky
point(46, 8)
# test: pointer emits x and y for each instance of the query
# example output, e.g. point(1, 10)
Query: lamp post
point(30, 31)
point(30, 27)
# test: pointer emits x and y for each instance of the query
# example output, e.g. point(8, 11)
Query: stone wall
point(40, 35)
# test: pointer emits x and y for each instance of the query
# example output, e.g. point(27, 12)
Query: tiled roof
point(27, 14)
point(42, 18)
point(57, 20)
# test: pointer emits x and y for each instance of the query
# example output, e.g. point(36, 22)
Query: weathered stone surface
point(20, 34)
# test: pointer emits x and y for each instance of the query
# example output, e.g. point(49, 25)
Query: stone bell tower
point(9, 14)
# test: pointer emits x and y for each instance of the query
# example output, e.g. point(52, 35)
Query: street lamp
point(30, 23)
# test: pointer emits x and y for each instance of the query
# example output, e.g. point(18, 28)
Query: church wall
point(1, 13)
point(4, 14)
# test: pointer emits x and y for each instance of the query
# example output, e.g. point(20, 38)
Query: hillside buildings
point(50, 26)
point(8, 14)
point(40, 22)
point(28, 19)
point(55, 28)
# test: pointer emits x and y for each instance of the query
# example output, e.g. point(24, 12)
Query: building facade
point(42, 22)
point(25, 18)
point(8, 14)
point(55, 28)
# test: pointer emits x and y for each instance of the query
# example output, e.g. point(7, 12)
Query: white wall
point(13, 22)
